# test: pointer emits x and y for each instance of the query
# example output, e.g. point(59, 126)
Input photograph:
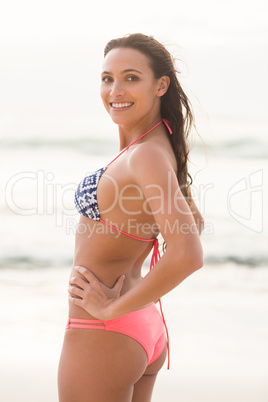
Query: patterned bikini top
point(86, 194)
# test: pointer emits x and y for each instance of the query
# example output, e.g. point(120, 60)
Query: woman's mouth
point(121, 105)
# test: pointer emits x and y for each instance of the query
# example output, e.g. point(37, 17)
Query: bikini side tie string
point(155, 257)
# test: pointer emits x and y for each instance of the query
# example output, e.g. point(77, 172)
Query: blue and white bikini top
point(86, 194)
point(85, 198)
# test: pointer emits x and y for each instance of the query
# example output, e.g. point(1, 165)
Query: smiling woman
point(144, 190)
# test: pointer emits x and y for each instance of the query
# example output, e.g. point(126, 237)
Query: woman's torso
point(105, 251)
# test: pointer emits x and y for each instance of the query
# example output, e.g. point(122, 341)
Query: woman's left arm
point(198, 218)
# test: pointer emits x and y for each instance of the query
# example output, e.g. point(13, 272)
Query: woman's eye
point(132, 78)
point(106, 79)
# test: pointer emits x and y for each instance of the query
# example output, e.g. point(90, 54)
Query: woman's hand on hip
point(91, 294)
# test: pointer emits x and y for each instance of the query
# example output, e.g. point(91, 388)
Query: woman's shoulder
point(152, 160)
point(152, 155)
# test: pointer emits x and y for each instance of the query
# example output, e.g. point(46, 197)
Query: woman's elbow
point(198, 261)
point(191, 260)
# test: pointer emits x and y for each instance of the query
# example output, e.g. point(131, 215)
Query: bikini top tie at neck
point(166, 122)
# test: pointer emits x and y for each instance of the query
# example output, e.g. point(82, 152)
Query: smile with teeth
point(121, 105)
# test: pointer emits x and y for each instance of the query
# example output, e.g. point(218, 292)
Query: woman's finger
point(77, 302)
point(86, 273)
point(75, 291)
point(75, 280)
point(119, 284)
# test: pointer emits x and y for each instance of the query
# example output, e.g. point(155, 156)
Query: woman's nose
point(117, 89)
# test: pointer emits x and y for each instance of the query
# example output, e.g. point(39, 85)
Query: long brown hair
point(175, 105)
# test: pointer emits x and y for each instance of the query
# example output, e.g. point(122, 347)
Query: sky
point(190, 21)
point(51, 55)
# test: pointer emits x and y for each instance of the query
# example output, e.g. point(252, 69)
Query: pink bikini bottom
point(145, 326)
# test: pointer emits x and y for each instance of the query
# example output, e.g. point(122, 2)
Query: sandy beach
point(218, 328)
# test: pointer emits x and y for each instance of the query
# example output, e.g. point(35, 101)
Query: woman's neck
point(131, 132)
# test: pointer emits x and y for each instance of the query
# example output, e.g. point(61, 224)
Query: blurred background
point(54, 130)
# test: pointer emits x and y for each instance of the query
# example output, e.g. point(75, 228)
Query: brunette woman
point(116, 341)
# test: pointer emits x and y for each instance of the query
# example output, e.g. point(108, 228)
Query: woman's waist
point(108, 270)
point(108, 278)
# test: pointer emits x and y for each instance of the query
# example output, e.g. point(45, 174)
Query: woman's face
point(129, 90)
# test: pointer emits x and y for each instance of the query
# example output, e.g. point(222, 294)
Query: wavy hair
point(175, 105)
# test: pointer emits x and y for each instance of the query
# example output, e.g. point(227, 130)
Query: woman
point(115, 342)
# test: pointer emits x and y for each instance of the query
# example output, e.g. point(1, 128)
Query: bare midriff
point(108, 255)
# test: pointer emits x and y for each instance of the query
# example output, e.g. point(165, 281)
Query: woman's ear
point(163, 85)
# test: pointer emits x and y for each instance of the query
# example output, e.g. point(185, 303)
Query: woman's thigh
point(99, 366)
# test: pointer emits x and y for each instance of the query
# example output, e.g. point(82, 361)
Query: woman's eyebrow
point(128, 70)
point(131, 69)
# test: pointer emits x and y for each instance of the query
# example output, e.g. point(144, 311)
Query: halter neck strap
point(143, 135)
